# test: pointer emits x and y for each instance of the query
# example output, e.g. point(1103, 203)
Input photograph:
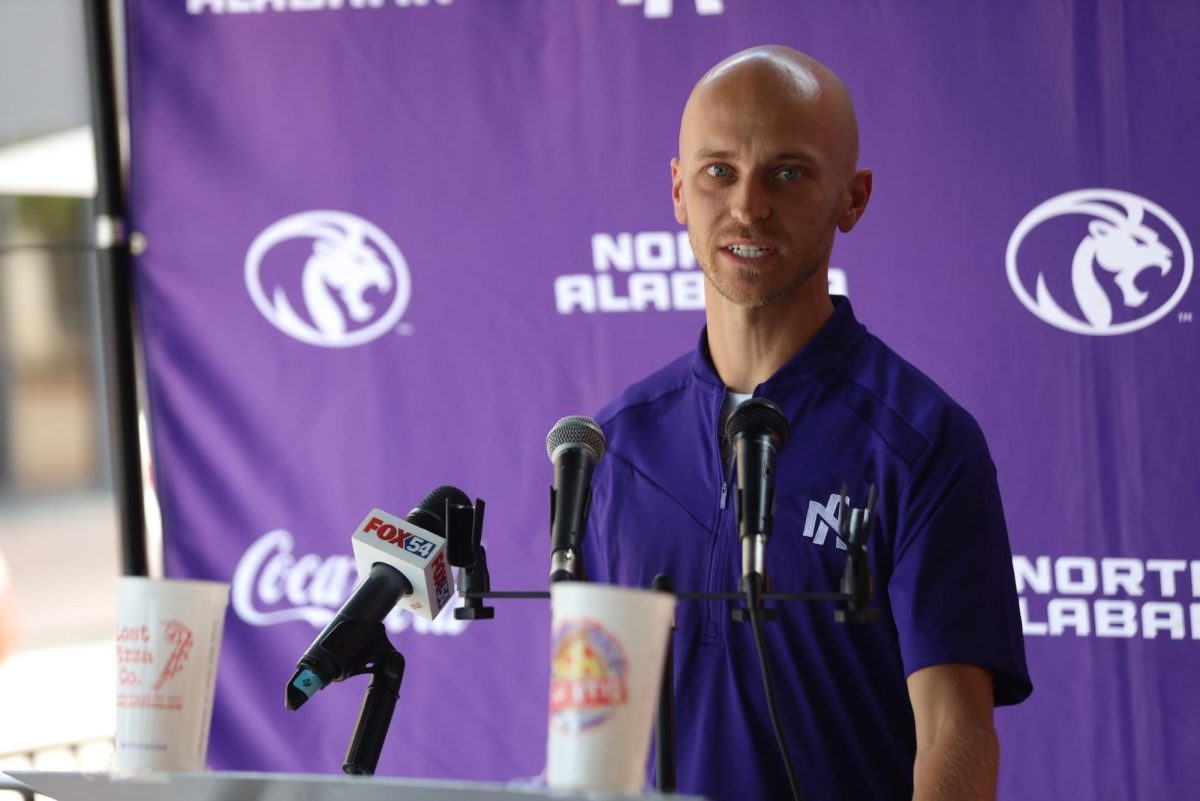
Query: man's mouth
point(748, 251)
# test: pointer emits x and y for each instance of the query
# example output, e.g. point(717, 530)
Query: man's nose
point(750, 203)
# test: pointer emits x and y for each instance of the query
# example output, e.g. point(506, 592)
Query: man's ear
point(677, 192)
point(860, 195)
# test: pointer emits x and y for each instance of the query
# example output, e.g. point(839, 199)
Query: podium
point(214, 786)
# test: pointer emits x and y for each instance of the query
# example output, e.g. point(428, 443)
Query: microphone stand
point(854, 595)
point(355, 646)
point(379, 704)
point(854, 525)
point(362, 647)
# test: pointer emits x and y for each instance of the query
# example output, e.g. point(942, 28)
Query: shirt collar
point(836, 334)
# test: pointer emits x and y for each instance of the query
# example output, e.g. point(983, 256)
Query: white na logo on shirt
point(822, 518)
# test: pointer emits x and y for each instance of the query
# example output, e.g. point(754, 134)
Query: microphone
point(413, 546)
point(757, 429)
point(575, 445)
point(400, 561)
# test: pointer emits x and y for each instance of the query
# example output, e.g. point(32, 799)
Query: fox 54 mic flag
point(389, 242)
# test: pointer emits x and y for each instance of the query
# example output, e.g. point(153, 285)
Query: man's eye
point(717, 170)
point(788, 173)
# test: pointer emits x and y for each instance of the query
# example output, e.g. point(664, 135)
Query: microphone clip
point(351, 647)
point(854, 527)
point(464, 547)
point(754, 581)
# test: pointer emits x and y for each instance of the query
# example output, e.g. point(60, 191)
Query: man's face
point(760, 183)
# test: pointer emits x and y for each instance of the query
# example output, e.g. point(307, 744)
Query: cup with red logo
point(168, 641)
point(606, 662)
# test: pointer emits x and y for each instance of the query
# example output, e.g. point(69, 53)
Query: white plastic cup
point(606, 663)
point(168, 642)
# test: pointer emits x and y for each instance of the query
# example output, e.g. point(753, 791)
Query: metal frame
point(117, 302)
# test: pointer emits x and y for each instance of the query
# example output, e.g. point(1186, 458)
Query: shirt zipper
point(726, 482)
point(714, 610)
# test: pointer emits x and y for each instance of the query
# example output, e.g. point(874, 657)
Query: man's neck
point(749, 345)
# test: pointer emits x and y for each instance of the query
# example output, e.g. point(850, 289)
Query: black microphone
point(348, 642)
point(575, 445)
point(757, 429)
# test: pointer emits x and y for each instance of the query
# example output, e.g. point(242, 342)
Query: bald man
point(767, 172)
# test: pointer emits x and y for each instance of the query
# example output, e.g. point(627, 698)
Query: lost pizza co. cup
point(606, 662)
point(168, 641)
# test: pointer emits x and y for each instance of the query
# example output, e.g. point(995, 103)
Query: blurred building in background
point(58, 535)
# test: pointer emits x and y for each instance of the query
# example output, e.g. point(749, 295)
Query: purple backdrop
point(390, 243)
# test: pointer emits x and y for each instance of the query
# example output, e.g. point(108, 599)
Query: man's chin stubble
point(760, 299)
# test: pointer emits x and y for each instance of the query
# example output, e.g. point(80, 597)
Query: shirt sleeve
point(952, 590)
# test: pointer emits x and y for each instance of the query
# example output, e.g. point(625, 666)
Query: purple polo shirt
point(939, 552)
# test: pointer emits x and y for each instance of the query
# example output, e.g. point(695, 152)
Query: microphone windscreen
point(757, 415)
point(578, 431)
point(430, 513)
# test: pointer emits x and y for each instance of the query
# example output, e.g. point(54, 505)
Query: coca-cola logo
point(273, 585)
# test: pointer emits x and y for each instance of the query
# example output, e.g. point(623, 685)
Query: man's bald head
point(778, 76)
point(766, 173)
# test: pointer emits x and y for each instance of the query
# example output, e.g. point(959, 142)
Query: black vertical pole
point(116, 290)
point(664, 721)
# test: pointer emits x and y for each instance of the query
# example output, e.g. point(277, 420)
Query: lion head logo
point(1121, 242)
point(353, 282)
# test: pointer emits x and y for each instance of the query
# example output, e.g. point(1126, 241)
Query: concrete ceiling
point(43, 68)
